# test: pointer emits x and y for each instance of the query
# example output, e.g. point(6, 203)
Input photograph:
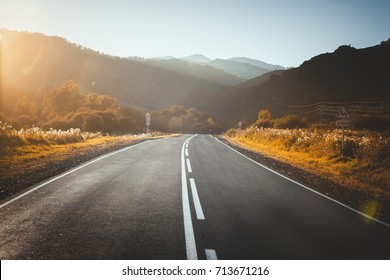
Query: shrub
point(231, 132)
point(289, 121)
point(264, 119)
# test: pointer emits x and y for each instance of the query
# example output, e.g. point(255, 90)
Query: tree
point(65, 99)
point(210, 122)
point(101, 102)
point(109, 120)
point(264, 119)
point(177, 110)
point(93, 123)
point(175, 124)
point(25, 106)
point(125, 124)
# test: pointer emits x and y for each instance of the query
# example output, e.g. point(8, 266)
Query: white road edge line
point(189, 168)
point(211, 254)
point(195, 197)
point(67, 173)
point(307, 188)
point(188, 228)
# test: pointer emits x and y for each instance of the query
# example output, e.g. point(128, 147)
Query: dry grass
point(365, 165)
point(35, 141)
point(28, 158)
point(11, 139)
point(25, 151)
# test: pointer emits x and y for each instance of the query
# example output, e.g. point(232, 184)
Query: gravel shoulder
point(378, 208)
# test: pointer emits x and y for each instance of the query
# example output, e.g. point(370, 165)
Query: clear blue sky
point(276, 31)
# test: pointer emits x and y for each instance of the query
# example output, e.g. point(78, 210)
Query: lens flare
point(370, 208)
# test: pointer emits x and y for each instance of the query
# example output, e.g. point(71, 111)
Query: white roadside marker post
point(148, 118)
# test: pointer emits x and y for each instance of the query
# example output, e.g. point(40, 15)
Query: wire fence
point(326, 112)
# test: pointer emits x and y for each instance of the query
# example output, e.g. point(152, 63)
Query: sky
point(276, 31)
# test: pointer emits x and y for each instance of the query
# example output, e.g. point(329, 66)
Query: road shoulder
point(373, 206)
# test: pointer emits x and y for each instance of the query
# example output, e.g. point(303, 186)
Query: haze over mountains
point(245, 68)
point(34, 64)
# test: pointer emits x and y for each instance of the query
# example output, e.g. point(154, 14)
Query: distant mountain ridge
point(258, 63)
point(243, 70)
point(197, 58)
point(346, 75)
point(242, 67)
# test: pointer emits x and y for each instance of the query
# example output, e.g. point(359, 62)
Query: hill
point(34, 64)
point(197, 58)
point(346, 75)
point(258, 63)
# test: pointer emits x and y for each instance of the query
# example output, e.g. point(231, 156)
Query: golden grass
point(365, 168)
point(28, 158)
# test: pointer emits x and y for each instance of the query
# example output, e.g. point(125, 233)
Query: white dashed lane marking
point(195, 197)
point(188, 227)
point(211, 254)
point(189, 168)
point(191, 249)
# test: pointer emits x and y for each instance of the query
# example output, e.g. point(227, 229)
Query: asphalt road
point(189, 197)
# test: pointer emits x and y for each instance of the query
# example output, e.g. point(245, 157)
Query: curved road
point(177, 198)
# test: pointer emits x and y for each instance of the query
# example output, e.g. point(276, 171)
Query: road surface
point(188, 197)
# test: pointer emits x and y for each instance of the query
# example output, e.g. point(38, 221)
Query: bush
point(231, 132)
point(289, 121)
point(125, 124)
point(264, 119)
point(25, 121)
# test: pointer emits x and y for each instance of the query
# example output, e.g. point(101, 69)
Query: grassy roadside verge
point(25, 165)
point(364, 168)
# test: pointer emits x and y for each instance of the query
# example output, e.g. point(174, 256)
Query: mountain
point(242, 67)
point(196, 70)
point(242, 70)
point(346, 75)
point(34, 64)
point(258, 63)
point(197, 58)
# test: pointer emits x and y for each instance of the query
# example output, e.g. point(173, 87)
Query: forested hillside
point(33, 64)
point(347, 75)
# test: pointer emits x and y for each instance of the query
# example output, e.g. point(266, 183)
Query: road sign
point(343, 123)
point(343, 114)
point(148, 118)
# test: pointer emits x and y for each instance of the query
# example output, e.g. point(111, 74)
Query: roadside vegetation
point(29, 156)
point(363, 166)
point(48, 134)
point(67, 107)
point(35, 142)
point(11, 139)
